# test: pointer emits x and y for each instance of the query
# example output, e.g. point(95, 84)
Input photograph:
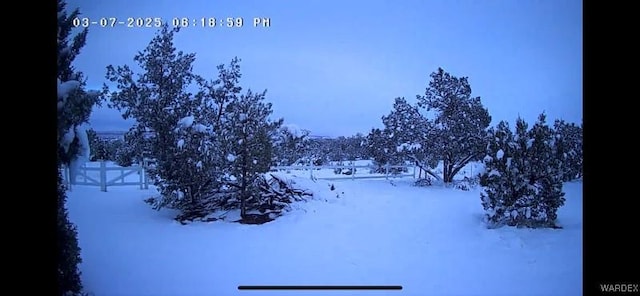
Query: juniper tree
point(291, 144)
point(568, 149)
point(351, 147)
point(74, 106)
point(458, 131)
point(357, 146)
point(382, 150)
point(522, 181)
point(455, 135)
point(503, 178)
point(545, 175)
point(411, 136)
point(100, 148)
point(318, 151)
point(133, 148)
point(170, 121)
point(249, 137)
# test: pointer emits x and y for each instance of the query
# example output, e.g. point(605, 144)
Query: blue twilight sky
point(335, 67)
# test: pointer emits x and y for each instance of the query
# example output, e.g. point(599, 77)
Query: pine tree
point(317, 152)
point(133, 149)
point(460, 124)
point(74, 106)
point(380, 148)
point(351, 147)
point(409, 135)
point(455, 136)
point(291, 145)
point(100, 148)
point(249, 137)
point(357, 148)
point(172, 125)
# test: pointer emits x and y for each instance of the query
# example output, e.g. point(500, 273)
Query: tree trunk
point(243, 186)
point(445, 171)
point(243, 203)
point(243, 193)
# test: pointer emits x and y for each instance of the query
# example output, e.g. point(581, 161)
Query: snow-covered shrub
point(426, 181)
point(68, 255)
point(345, 170)
point(464, 185)
point(291, 145)
point(74, 105)
point(124, 156)
point(522, 180)
point(568, 149)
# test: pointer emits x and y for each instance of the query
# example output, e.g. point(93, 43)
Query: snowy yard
point(430, 240)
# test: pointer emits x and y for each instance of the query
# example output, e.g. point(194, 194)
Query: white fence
point(105, 176)
point(316, 172)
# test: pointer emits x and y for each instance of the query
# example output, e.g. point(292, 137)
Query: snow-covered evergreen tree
point(455, 136)
point(339, 149)
point(458, 131)
point(249, 138)
point(291, 144)
point(318, 151)
point(504, 174)
point(74, 106)
point(522, 179)
point(410, 136)
point(132, 149)
point(100, 149)
point(351, 147)
point(545, 175)
point(112, 147)
point(74, 102)
point(382, 150)
point(171, 122)
point(568, 146)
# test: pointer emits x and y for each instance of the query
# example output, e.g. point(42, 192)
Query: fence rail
point(103, 178)
point(353, 173)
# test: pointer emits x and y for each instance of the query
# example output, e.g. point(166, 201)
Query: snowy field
point(430, 240)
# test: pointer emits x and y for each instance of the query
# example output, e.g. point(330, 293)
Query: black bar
point(319, 287)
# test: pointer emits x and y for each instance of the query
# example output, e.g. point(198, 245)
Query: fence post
point(145, 163)
point(353, 171)
point(84, 173)
point(146, 177)
point(140, 167)
point(386, 171)
point(67, 177)
point(103, 176)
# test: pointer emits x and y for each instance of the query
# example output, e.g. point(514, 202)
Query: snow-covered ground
point(430, 240)
point(470, 170)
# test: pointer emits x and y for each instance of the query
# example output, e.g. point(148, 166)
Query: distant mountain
point(109, 135)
